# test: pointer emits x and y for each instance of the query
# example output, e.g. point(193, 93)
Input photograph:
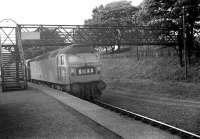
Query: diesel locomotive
point(75, 69)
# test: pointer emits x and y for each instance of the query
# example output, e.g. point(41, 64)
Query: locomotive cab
point(82, 70)
point(75, 69)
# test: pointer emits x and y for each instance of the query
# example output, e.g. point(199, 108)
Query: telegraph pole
point(185, 45)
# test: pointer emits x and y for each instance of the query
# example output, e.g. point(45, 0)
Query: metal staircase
point(13, 70)
point(12, 73)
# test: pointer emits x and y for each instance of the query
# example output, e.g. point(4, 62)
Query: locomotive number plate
point(85, 71)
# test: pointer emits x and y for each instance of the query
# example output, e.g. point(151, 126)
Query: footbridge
point(16, 39)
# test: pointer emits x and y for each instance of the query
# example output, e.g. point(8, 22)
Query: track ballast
point(173, 130)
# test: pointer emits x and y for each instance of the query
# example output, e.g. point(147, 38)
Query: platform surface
point(123, 126)
point(31, 114)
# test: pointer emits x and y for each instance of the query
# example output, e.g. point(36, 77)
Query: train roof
point(77, 48)
point(71, 49)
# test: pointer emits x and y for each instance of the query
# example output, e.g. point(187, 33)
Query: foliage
point(169, 13)
point(159, 13)
point(115, 13)
point(120, 13)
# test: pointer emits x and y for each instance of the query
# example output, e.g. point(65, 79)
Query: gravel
point(182, 114)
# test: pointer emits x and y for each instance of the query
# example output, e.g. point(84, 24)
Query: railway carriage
point(75, 69)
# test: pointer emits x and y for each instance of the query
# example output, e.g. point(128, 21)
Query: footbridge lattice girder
point(12, 56)
point(107, 35)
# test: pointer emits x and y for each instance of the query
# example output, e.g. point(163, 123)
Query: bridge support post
point(21, 54)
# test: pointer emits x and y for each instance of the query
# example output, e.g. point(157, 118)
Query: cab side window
point(61, 73)
point(62, 60)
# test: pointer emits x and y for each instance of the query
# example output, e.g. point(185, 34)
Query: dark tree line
point(120, 13)
point(160, 13)
point(170, 13)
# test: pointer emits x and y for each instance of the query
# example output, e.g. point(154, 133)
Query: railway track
point(173, 130)
point(166, 127)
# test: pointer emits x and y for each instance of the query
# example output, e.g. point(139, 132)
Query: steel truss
point(12, 56)
point(105, 35)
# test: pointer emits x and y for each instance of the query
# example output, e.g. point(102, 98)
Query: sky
point(65, 12)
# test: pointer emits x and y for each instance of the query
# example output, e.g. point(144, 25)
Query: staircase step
point(12, 71)
point(13, 74)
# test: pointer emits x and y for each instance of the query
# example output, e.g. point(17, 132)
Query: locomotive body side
point(44, 70)
point(72, 70)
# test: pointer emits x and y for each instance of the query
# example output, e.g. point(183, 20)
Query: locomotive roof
point(77, 48)
point(71, 49)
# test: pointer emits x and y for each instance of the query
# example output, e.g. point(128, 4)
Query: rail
point(174, 130)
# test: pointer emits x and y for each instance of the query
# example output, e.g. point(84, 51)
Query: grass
point(158, 78)
point(159, 75)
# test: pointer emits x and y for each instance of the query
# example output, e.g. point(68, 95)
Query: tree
point(169, 13)
point(120, 13)
point(114, 14)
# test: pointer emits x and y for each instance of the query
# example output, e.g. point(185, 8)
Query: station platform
point(31, 114)
point(41, 112)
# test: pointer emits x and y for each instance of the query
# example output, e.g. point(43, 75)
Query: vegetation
point(120, 13)
point(170, 13)
point(158, 13)
point(113, 14)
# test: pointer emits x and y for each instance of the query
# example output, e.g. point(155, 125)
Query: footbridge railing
point(16, 40)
